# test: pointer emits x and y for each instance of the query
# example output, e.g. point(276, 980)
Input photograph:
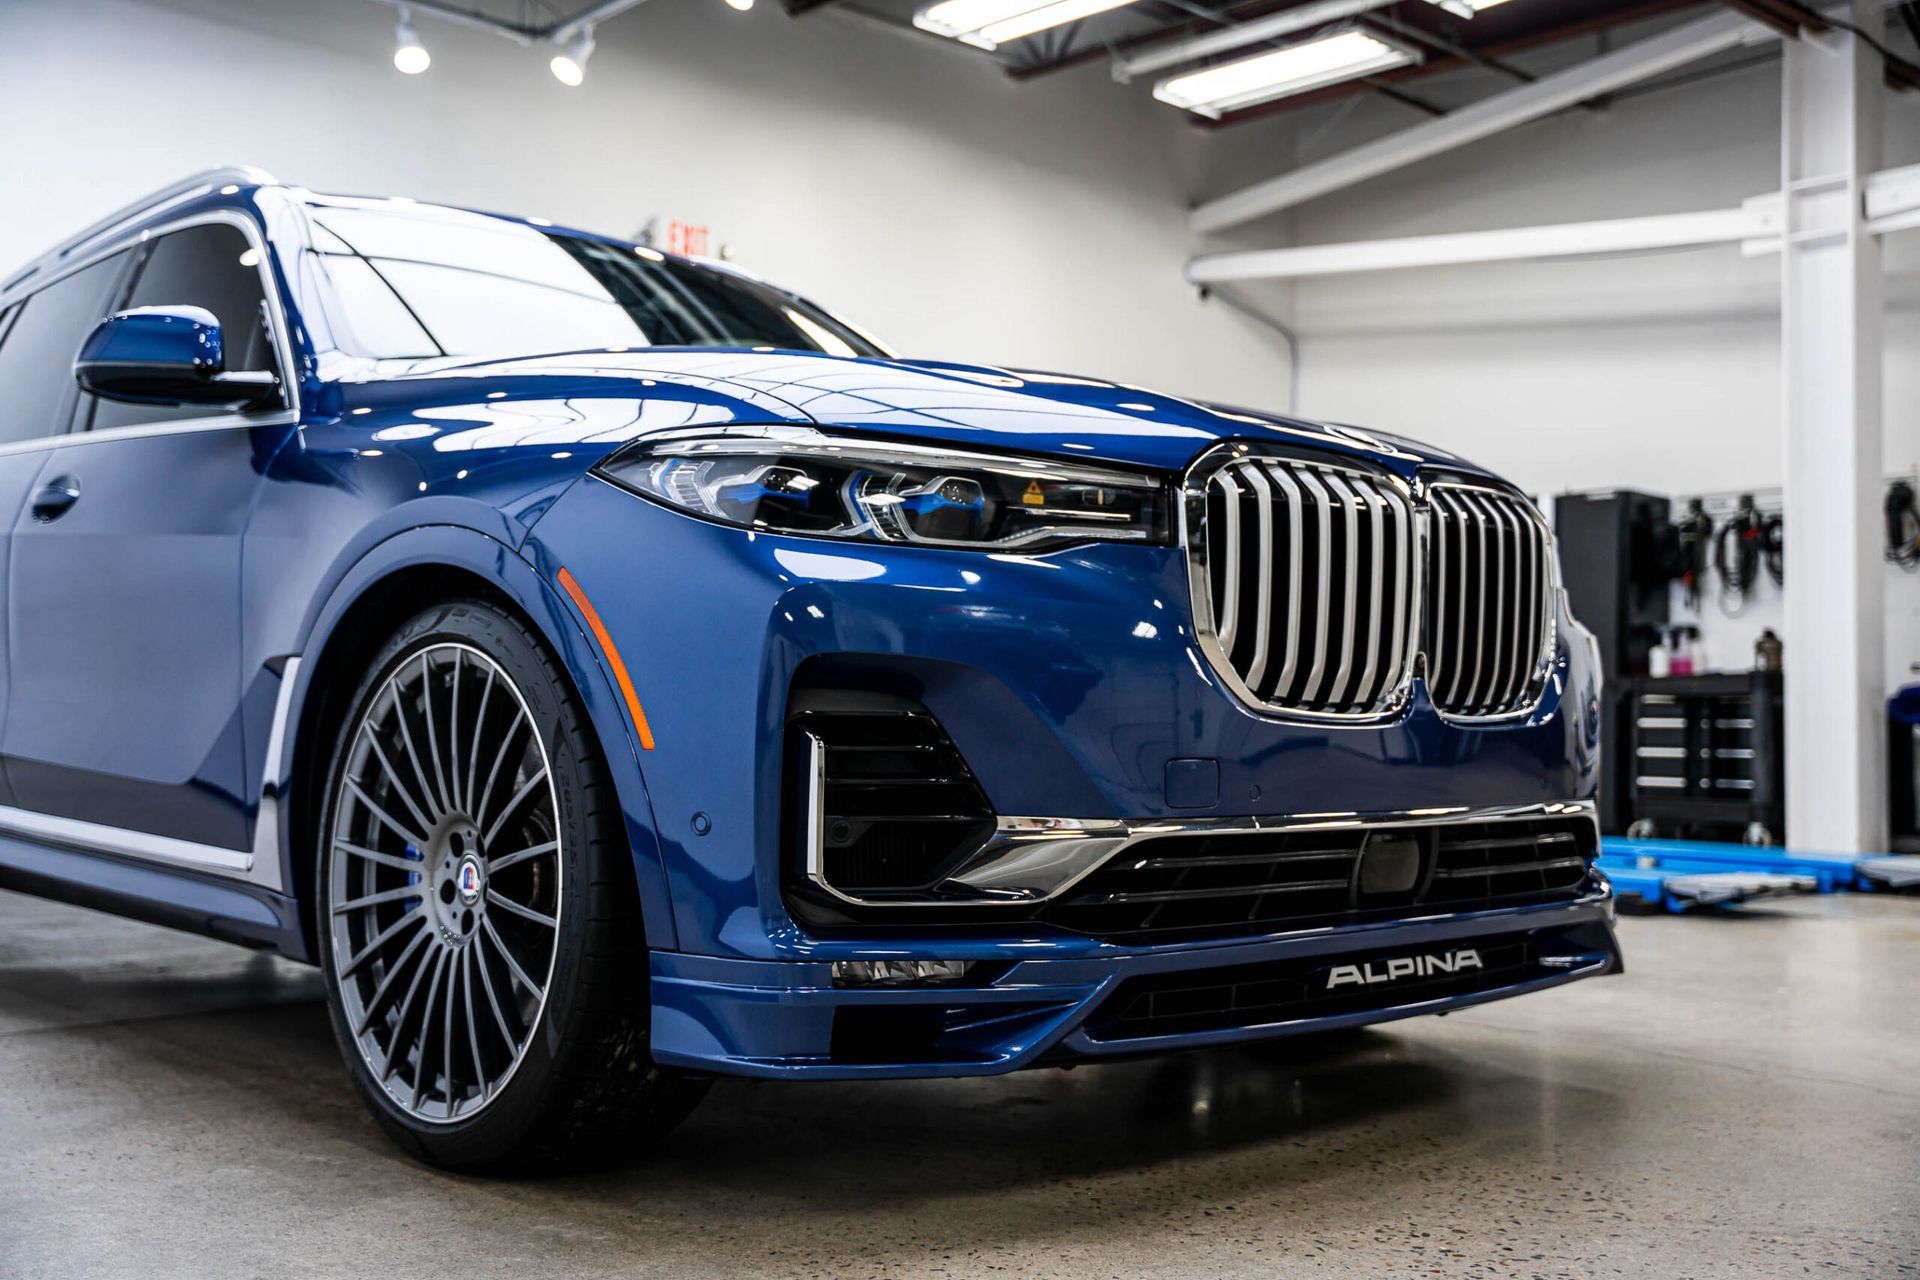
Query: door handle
point(53, 501)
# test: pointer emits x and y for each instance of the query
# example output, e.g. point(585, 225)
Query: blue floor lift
point(1680, 875)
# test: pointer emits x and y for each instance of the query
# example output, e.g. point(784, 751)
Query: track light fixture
point(410, 57)
point(569, 66)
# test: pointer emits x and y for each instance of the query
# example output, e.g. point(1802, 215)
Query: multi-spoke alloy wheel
point(479, 917)
point(444, 896)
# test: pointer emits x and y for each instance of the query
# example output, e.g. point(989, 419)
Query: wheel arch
point(391, 583)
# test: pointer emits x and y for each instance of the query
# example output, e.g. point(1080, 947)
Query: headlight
point(798, 480)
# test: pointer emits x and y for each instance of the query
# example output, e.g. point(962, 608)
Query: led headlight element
point(798, 480)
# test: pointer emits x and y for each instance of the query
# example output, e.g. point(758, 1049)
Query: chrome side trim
point(94, 837)
point(265, 871)
point(180, 427)
point(259, 865)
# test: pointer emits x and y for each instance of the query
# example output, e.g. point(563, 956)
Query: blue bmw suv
point(615, 671)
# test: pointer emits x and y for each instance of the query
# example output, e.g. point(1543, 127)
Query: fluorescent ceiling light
point(1465, 8)
point(1214, 91)
point(991, 23)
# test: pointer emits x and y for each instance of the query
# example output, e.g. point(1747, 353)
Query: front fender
point(462, 548)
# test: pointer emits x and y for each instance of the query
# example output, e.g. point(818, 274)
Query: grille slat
point(1350, 581)
point(1296, 565)
point(1487, 617)
point(1263, 574)
point(1229, 594)
point(1322, 499)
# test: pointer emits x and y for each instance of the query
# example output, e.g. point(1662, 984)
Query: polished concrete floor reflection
point(1742, 1102)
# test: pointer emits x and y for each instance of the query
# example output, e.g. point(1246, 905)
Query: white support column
point(1831, 355)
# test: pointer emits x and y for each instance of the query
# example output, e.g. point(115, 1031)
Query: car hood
point(976, 406)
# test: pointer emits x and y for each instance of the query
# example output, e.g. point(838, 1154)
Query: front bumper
point(1071, 686)
point(782, 1019)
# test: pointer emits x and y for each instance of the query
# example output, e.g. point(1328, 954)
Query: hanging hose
point(1903, 526)
point(1773, 548)
point(1737, 549)
point(1695, 531)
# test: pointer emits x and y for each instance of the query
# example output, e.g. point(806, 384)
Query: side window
point(36, 360)
point(212, 266)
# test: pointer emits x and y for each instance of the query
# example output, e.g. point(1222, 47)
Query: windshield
point(418, 281)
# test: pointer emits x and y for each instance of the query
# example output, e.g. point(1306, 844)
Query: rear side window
point(36, 358)
point(213, 266)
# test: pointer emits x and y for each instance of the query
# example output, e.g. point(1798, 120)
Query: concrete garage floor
point(1741, 1102)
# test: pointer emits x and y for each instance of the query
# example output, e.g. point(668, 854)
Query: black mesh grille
point(1493, 862)
point(1261, 881)
point(900, 805)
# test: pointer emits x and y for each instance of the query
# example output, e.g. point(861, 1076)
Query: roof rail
point(172, 193)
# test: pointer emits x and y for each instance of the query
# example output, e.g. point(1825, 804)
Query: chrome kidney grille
point(1308, 585)
point(1488, 609)
point(1311, 596)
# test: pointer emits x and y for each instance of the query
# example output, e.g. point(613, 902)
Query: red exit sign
point(688, 239)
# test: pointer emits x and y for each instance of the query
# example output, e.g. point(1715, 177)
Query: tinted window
point(212, 266)
point(427, 281)
point(36, 359)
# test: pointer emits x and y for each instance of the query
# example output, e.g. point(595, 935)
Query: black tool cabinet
point(1706, 756)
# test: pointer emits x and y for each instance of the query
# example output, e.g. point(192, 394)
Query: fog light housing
point(899, 973)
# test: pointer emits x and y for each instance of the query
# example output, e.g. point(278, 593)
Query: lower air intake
point(885, 803)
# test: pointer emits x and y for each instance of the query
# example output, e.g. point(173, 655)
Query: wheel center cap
point(469, 880)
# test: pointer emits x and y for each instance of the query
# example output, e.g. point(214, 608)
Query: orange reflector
point(620, 676)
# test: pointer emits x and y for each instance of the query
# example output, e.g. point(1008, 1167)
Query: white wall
point(912, 186)
point(903, 182)
point(1656, 372)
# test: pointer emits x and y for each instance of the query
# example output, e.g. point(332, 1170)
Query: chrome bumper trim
point(1028, 860)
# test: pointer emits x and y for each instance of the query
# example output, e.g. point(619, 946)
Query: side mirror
point(166, 356)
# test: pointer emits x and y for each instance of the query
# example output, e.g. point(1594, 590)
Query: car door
point(37, 334)
point(123, 599)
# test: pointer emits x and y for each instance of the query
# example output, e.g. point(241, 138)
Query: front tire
point(479, 927)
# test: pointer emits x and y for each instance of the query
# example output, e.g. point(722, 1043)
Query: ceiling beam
point(1240, 34)
point(1890, 202)
point(1639, 61)
point(1244, 11)
point(1562, 240)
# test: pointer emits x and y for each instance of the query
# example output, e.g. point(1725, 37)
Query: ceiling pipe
point(1261, 316)
point(581, 21)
